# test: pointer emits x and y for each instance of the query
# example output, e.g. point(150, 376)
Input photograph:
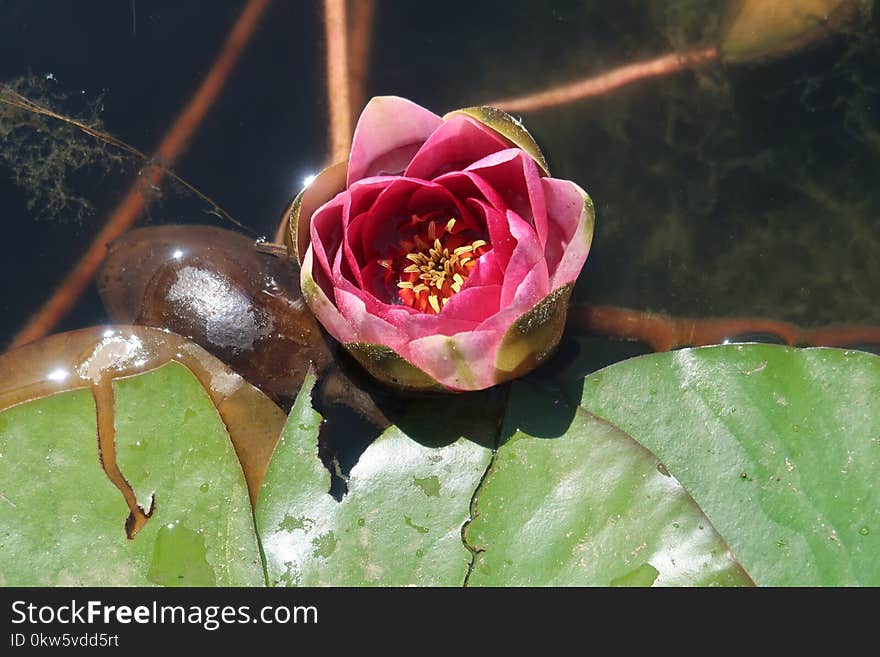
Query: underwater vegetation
point(48, 158)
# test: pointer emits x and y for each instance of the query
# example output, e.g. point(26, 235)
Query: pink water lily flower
point(441, 255)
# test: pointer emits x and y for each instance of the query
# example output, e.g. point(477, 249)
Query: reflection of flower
point(442, 256)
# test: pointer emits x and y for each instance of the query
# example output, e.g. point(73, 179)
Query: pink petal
point(487, 271)
point(377, 227)
point(528, 295)
point(465, 361)
point(360, 195)
point(571, 231)
point(500, 238)
point(325, 232)
point(331, 222)
point(472, 304)
point(390, 129)
point(479, 194)
point(533, 288)
point(459, 142)
point(420, 324)
point(407, 322)
point(342, 271)
point(321, 306)
point(527, 260)
point(466, 185)
point(367, 326)
point(516, 178)
point(364, 192)
point(371, 327)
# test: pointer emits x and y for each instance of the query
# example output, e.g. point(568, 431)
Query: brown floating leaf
point(213, 287)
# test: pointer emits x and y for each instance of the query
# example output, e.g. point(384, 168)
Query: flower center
point(433, 263)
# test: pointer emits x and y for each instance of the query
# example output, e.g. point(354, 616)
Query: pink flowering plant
point(442, 254)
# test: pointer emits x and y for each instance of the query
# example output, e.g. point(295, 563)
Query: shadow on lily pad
point(357, 410)
point(437, 420)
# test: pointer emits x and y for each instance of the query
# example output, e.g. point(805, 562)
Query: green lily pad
point(583, 505)
point(780, 447)
point(63, 522)
point(177, 456)
point(776, 451)
point(399, 524)
point(572, 500)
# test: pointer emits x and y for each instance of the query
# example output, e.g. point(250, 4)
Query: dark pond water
point(736, 190)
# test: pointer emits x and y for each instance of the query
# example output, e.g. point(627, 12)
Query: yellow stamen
point(436, 263)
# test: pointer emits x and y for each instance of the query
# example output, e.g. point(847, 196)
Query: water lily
point(442, 254)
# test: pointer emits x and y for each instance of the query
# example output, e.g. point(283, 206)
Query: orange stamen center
point(434, 263)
